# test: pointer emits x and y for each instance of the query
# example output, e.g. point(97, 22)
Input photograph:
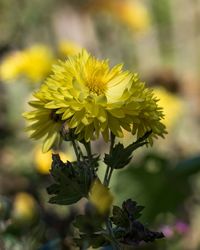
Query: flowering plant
point(82, 100)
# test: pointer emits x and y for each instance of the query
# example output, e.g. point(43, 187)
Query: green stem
point(109, 176)
point(89, 154)
point(106, 176)
point(79, 150)
point(76, 150)
point(112, 141)
point(109, 170)
point(88, 149)
point(114, 243)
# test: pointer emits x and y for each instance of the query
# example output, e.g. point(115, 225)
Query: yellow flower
point(24, 209)
point(93, 99)
point(101, 197)
point(44, 124)
point(66, 48)
point(172, 106)
point(33, 63)
point(43, 160)
point(11, 67)
point(37, 63)
point(130, 12)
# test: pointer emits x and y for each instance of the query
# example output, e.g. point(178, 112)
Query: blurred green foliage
point(159, 183)
point(22, 20)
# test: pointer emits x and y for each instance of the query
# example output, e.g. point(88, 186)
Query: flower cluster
point(86, 95)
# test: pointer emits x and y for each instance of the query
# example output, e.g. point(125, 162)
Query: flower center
point(98, 88)
point(96, 76)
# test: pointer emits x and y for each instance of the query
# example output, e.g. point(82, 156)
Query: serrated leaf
point(61, 200)
point(121, 156)
point(132, 209)
point(72, 181)
point(119, 218)
point(88, 224)
point(129, 230)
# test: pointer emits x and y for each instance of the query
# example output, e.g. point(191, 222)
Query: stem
point(109, 170)
point(89, 154)
point(76, 150)
point(106, 176)
point(79, 150)
point(109, 176)
point(88, 149)
point(114, 243)
point(112, 142)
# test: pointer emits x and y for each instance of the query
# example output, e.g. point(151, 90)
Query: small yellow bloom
point(66, 48)
point(101, 197)
point(130, 12)
point(43, 160)
point(37, 63)
point(33, 63)
point(12, 66)
point(172, 106)
point(24, 209)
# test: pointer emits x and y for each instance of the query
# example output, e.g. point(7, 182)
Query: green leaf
point(121, 156)
point(129, 210)
point(119, 217)
point(88, 224)
point(72, 181)
point(129, 230)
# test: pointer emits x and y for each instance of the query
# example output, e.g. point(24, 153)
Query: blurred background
point(158, 39)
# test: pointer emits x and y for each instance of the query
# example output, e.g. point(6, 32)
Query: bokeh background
point(158, 39)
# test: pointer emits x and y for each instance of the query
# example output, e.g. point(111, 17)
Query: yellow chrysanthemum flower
point(33, 63)
point(172, 106)
point(66, 48)
point(93, 99)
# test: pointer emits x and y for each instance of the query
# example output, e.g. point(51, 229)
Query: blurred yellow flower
point(66, 48)
point(101, 197)
point(12, 66)
point(133, 13)
point(130, 12)
point(24, 208)
point(43, 160)
point(172, 106)
point(33, 63)
point(38, 61)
